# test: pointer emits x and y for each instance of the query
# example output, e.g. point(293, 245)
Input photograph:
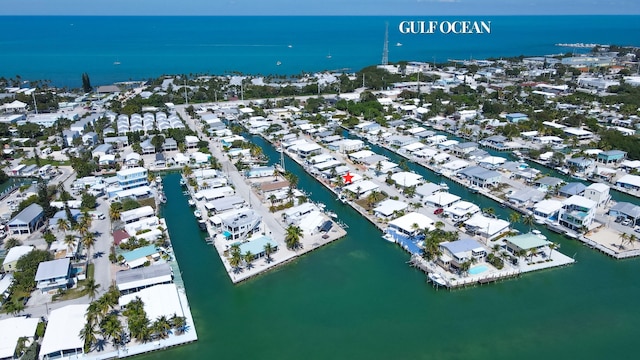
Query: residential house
point(27, 221)
point(169, 145)
point(238, 224)
point(346, 145)
point(481, 177)
point(90, 138)
point(455, 253)
point(137, 214)
point(389, 208)
point(191, 142)
point(132, 159)
point(257, 246)
point(547, 210)
point(463, 149)
point(53, 275)
point(138, 257)
point(570, 189)
point(628, 210)
point(160, 161)
point(12, 257)
point(548, 183)
point(461, 210)
point(579, 164)
point(525, 196)
point(526, 243)
point(598, 192)
point(486, 227)
point(631, 182)
point(147, 147)
point(611, 156)
point(260, 171)
point(132, 178)
point(516, 117)
point(410, 225)
point(577, 213)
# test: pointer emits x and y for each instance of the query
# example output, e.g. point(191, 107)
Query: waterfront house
point(516, 117)
point(496, 141)
point(486, 227)
point(412, 147)
point(238, 224)
point(117, 142)
point(631, 182)
point(579, 163)
point(597, 192)
point(525, 243)
point(426, 190)
point(548, 140)
point(577, 213)
point(12, 330)
point(160, 161)
point(27, 221)
point(161, 300)
point(307, 149)
point(260, 171)
point(295, 214)
point(570, 189)
point(628, 210)
point(132, 178)
point(455, 166)
point(224, 204)
point(580, 134)
point(133, 280)
point(388, 208)
point(611, 156)
point(400, 140)
point(455, 253)
point(547, 209)
point(463, 149)
point(361, 188)
point(215, 193)
point(525, 196)
point(256, 246)
point(61, 338)
point(411, 224)
point(53, 275)
point(14, 254)
point(548, 183)
point(481, 177)
point(138, 257)
point(346, 145)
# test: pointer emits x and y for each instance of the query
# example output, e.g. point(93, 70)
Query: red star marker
point(348, 178)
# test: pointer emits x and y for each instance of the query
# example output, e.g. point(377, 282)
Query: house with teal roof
point(138, 257)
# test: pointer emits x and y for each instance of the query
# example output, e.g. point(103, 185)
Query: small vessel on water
point(158, 179)
point(191, 202)
point(436, 279)
point(444, 186)
point(387, 236)
point(183, 182)
point(332, 215)
point(398, 44)
point(343, 198)
point(197, 214)
point(278, 63)
point(474, 189)
point(202, 225)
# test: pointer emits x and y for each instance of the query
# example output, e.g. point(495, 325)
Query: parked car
point(637, 229)
point(626, 222)
point(619, 219)
point(438, 211)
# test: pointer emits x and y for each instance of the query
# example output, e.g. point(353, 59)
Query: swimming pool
point(478, 269)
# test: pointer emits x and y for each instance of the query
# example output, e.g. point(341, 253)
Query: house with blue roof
point(570, 189)
point(579, 163)
point(517, 117)
point(611, 156)
point(256, 246)
point(481, 177)
point(138, 257)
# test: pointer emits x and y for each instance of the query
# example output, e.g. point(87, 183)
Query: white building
point(577, 212)
point(597, 192)
point(388, 208)
point(62, 334)
point(411, 224)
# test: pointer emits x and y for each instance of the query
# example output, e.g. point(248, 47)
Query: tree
point(268, 250)
point(88, 335)
point(157, 141)
point(514, 218)
point(551, 247)
point(49, 238)
point(624, 237)
point(88, 201)
point(63, 224)
point(12, 242)
point(112, 328)
point(91, 288)
point(248, 258)
point(179, 323)
point(26, 268)
point(161, 327)
point(293, 236)
point(88, 240)
point(528, 220)
point(86, 83)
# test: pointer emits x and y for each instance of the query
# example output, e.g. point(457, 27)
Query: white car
point(626, 222)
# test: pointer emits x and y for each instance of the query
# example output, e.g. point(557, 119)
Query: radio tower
point(385, 49)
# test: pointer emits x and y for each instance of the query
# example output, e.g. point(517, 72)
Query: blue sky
point(318, 7)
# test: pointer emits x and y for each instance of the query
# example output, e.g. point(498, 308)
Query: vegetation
point(292, 237)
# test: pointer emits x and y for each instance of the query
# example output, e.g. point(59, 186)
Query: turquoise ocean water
point(60, 49)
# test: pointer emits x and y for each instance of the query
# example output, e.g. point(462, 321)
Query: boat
point(116, 62)
point(191, 202)
point(389, 237)
point(332, 215)
point(436, 279)
point(278, 63)
point(570, 234)
point(289, 46)
point(444, 185)
point(398, 44)
point(537, 233)
point(202, 225)
point(329, 56)
point(554, 227)
point(158, 179)
point(343, 198)
point(474, 189)
point(183, 182)
point(198, 214)
point(578, 177)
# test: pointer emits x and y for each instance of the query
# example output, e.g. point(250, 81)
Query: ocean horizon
point(121, 48)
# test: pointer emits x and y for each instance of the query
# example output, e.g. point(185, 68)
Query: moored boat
point(197, 214)
point(388, 237)
point(444, 186)
point(191, 202)
point(183, 182)
point(436, 279)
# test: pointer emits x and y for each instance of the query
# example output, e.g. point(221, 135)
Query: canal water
point(357, 298)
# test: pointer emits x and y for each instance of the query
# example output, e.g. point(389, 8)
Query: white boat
point(329, 56)
point(158, 179)
point(398, 44)
point(290, 46)
point(197, 213)
point(191, 202)
point(570, 234)
point(343, 198)
point(474, 189)
point(444, 185)
point(278, 63)
point(388, 237)
point(436, 279)
point(332, 215)
point(537, 233)
point(183, 182)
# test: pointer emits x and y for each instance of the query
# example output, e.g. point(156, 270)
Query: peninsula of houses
point(548, 144)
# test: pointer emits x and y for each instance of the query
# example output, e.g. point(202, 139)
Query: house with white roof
point(61, 338)
point(137, 214)
point(388, 208)
point(411, 224)
point(597, 192)
point(361, 188)
point(346, 145)
point(441, 199)
point(14, 254)
point(12, 329)
point(54, 274)
point(547, 209)
point(631, 182)
point(486, 227)
point(577, 213)
point(406, 179)
point(461, 210)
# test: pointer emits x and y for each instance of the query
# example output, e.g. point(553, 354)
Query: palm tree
point(186, 170)
point(532, 253)
point(91, 288)
point(438, 225)
point(624, 237)
point(293, 236)
point(179, 323)
point(632, 239)
point(114, 213)
point(464, 267)
point(14, 307)
point(235, 260)
point(88, 334)
point(161, 327)
point(88, 240)
point(12, 242)
point(490, 212)
point(112, 328)
point(551, 247)
point(514, 218)
point(63, 224)
point(248, 258)
point(268, 250)
point(21, 346)
point(70, 241)
point(528, 220)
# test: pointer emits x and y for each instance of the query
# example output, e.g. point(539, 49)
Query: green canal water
point(358, 299)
